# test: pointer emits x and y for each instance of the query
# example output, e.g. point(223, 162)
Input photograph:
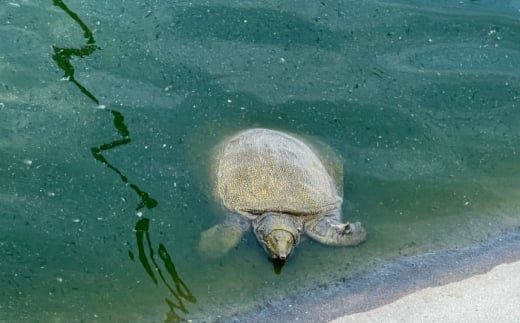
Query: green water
point(109, 112)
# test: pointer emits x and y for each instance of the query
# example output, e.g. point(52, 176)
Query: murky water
point(109, 112)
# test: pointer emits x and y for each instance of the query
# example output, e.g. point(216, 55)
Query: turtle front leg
point(332, 232)
point(218, 240)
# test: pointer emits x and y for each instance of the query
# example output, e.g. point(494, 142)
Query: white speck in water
point(164, 145)
point(76, 220)
point(59, 279)
point(282, 60)
point(466, 203)
point(139, 214)
point(174, 184)
point(101, 107)
point(242, 108)
point(229, 101)
point(27, 162)
point(145, 147)
point(2, 105)
point(99, 219)
point(430, 40)
point(66, 78)
point(245, 21)
point(14, 4)
point(51, 194)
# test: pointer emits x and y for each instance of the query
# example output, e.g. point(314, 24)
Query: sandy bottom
point(480, 283)
point(490, 297)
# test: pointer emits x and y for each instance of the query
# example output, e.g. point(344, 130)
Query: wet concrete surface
point(389, 282)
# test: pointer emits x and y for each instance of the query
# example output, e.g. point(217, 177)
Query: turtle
point(277, 184)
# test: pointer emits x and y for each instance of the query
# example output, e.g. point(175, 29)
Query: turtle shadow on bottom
point(277, 265)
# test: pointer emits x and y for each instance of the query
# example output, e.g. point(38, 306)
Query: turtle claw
point(345, 230)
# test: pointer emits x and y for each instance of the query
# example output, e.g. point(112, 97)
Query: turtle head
point(278, 233)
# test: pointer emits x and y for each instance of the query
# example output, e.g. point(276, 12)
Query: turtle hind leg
point(332, 232)
point(218, 240)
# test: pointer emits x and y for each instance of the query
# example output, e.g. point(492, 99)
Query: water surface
point(110, 111)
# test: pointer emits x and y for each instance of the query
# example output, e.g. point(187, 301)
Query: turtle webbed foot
point(332, 232)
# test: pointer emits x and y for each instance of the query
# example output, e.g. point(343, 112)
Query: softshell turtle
point(279, 185)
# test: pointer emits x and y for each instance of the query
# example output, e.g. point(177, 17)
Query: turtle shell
point(262, 170)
